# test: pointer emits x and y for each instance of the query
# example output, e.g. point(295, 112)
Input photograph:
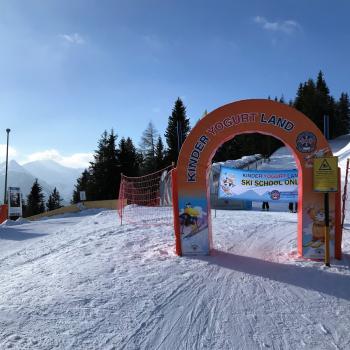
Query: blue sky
point(71, 69)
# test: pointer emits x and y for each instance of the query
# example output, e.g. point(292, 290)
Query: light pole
point(7, 159)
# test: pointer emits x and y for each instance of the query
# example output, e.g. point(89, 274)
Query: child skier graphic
point(189, 218)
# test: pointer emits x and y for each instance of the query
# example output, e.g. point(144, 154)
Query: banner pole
point(178, 248)
point(122, 199)
point(326, 240)
point(217, 191)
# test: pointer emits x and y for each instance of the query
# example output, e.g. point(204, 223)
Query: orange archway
point(292, 127)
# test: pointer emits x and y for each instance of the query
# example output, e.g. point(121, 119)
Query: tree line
point(101, 179)
point(111, 159)
point(35, 203)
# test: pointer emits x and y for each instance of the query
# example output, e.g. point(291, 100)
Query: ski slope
point(82, 281)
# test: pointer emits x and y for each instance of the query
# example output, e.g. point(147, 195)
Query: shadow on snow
point(12, 234)
point(323, 281)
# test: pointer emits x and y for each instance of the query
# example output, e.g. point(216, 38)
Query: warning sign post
point(326, 180)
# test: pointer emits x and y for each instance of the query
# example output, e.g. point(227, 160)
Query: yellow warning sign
point(326, 174)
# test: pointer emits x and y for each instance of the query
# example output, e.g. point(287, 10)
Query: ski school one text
point(260, 183)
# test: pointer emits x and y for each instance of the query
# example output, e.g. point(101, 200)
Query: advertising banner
point(194, 225)
point(259, 185)
point(15, 201)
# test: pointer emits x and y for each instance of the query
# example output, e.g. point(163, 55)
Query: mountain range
point(49, 173)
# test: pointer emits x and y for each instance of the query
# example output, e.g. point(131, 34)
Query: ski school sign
point(259, 185)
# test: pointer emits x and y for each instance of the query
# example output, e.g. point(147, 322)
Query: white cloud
point(73, 38)
point(12, 152)
point(287, 26)
point(76, 160)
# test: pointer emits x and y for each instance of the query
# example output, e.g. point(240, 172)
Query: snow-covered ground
point(83, 281)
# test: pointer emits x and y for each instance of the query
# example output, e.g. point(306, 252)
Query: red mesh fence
point(146, 198)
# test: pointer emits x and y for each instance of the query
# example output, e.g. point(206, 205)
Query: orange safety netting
point(146, 198)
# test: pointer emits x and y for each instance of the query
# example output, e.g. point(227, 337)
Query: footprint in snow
point(324, 330)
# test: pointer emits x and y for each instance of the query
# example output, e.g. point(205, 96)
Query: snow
point(241, 163)
point(83, 281)
point(281, 159)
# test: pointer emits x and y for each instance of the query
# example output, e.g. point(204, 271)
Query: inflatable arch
point(295, 130)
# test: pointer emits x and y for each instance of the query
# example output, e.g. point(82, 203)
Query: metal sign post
point(326, 180)
point(326, 126)
point(7, 160)
point(82, 195)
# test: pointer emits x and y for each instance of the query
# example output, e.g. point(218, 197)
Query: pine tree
point(343, 108)
point(159, 156)
point(102, 179)
point(148, 148)
point(231, 149)
point(82, 185)
point(35, 200)
point(342, 115)
point(177, 131)
point(306, 100)
point(325, 105)
point(54, 201)
point(299, 99)
point(96, 168)
point(104, 171)
point(128, 157)
point(24, 207)
point(314, 100)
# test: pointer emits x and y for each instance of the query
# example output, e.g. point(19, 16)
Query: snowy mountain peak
point(51, 165)
point(49, 173)
point(56, 175)
point(12, 166)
